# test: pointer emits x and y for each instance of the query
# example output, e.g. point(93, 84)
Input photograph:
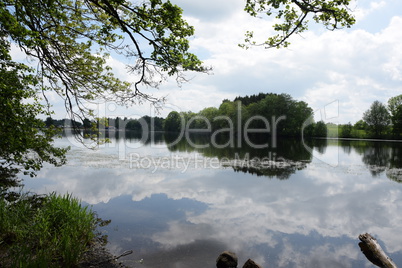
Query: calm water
point(289, 206)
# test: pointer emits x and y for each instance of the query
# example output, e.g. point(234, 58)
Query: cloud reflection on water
point(312, 219)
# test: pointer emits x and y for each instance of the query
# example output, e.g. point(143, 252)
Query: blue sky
point(338, 73)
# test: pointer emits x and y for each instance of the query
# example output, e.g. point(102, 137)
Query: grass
point(335, 131)
point(44, 231)
point(332, 131)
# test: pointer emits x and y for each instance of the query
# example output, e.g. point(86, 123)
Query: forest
point(275, 114)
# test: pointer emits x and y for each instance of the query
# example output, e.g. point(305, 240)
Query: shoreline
point(99, 256)
point(357, 139)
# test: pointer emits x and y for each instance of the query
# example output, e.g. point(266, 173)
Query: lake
point(181, 202)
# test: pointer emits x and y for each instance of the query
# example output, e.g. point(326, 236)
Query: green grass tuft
point(44, 231)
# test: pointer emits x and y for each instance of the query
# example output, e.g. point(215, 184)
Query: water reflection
point(118, 135)
point(291, 149)
point(318, 144)
point(379, 157)
point(279, 160)
point(172, 218)
point(285, 156)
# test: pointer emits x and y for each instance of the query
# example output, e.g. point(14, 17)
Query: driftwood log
point(374, 253)
point(228, 259)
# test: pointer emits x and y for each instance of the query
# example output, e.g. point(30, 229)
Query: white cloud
point(364, 8)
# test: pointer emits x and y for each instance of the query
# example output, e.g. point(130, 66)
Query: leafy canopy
point(395, 109)
point(377, 118)
point(72, 40)
point(293, 15)
point(24, 142)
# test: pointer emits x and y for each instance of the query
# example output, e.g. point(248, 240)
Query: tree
point(377, 119)
point(25, 142)
point(49, 121)
point(346, 130)
point(72, 39)
point(279, 113)
point(228, 115)
point(320, 129)
point(208, 116)
point(360, 125)
point(395, 109)
point(133, 124)
point(293, 17)
point(289, 114)
point(173, 122)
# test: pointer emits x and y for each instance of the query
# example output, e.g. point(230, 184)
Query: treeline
point(277, 114)
point(143, 123)
point(270, 113)
point(380, 121)
point(62, 123)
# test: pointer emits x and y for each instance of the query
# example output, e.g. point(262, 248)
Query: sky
point(338, 73)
